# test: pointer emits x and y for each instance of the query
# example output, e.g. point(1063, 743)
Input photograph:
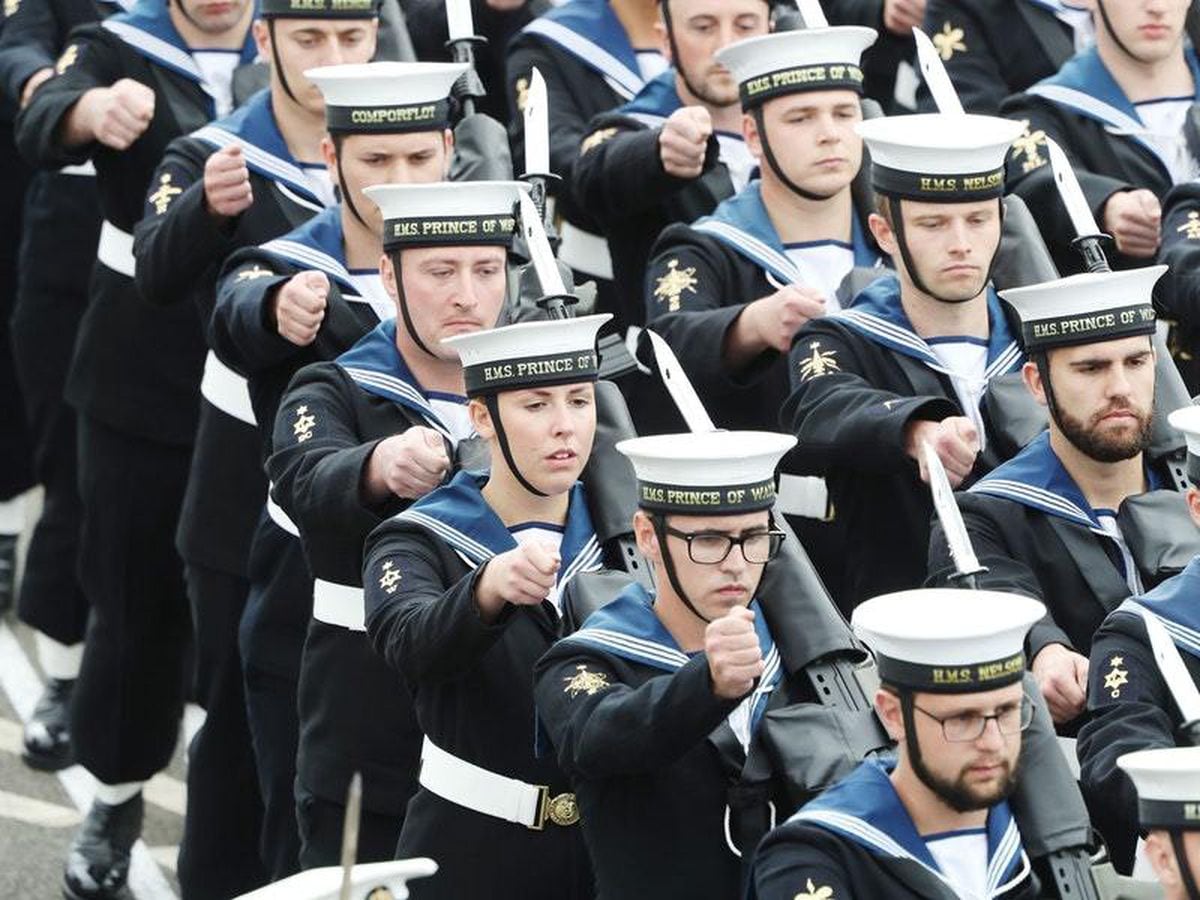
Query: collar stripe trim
point(167, 54)
point(476, 551)
point(1185, 638)
point(267, 164)
point(309, 256)
point(313, 204)
point(1116, 121)
point(766, 256)
point(400, 389)
point(1040, 498)
point(623, 79)
point(894, 334)
point(650, 651)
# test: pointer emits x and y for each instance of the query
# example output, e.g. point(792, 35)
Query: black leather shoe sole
point(44, 761)
point(121, 893)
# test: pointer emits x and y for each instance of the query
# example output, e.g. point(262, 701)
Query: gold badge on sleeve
point(585, 682)
point(1116, 677)
point(670, 287)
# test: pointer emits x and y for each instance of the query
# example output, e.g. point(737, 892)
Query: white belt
point(585, 252)
point(339, 604)
point(85, 169)
point(467, 785)
point(226, 389)
point(803, 495)
point(115, 249)
point(279, 517)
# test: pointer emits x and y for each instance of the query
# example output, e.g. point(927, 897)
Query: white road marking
point(37, 812)
point(11, 740)
point(167, 857)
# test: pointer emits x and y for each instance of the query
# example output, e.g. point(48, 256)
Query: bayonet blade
point(940, 86)
point(1071, 193)
point(812, 14)
point(948, 513)
point(350, 834)
point(537, 126)
point(540, 253)
point(679, 386)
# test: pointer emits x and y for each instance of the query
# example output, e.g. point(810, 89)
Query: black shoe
point(98, 861)
point(48, 734)
point(8, 571)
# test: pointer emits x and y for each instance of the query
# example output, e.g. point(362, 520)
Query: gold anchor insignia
point(68, 56)
point(166, 192)
point(303, 425)
point(250, 274)
point(522, 87)
point(1191, 228)
point(818, 363)
point(1030, 144)
point(585, 682)
point(949, 41)
point(595, 139)
point(812, 892)
point(1116, 677)
point(670, 287)
point(390, 578)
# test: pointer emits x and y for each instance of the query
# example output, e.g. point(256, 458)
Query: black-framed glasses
point(964, 727)
point(711, 547)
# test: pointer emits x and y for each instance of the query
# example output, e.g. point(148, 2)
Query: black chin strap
point(348, 199)
point(283, 82)
point(760, 122)
point(898, 227)
point(1112, 33)
point(660, 530)
point(493, 407)
point(1042, 361)
point(910, 727)
point(1183, 864)
point(404, 311)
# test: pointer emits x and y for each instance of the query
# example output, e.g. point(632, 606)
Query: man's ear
point(387, 274)
point(1161, 855)
point(481, 419)
point(448, 149)
point(664, 40)
point(262, 38)
point(883, 233)
point(752, 137)
point(887, 705)
point(329, 155)
point(1193, 502)
point(647, 540)
point(1032, 376)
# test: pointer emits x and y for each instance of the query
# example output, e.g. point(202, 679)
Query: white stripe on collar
point(1010, 844)
point(624, 80)
point(298, 200)
point(765, 255)
point(155, 46)
point(1117, 122)
point(404, 390)
point(615, 640)
point(268, 162)
point(306, 255)
point(1027, 494)
point(1186, 637)
point(476, 551)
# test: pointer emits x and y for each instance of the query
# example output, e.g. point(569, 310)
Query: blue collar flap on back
point(655, 102)
point(317, 244)
point(590, 31)
point(1173, 602)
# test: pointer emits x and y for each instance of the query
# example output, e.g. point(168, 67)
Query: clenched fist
point(299, 307)
point(523, 576)
point(734, 657)
point(777, 318)
point(902, 16)
point(683, 141)
point(1062, 675)
point(116, 116)
point(407, 465)
point(227, 183)
point(1134, 218)
point(955, 440)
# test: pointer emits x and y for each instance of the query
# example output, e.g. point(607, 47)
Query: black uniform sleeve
point(1178, 292)
point(178, 240)
point(798, 862)
point(1131, 709)
point(839, 415)
point(959, 31)
point(854, 12)
point(619, 730)
point(241, 330)
point(29, 42)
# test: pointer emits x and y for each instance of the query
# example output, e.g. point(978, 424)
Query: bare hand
point(902, 16)
point(1134, 219)
point(734, 657)
point(407, 465)
point(1062, 675)
point(776, 319)
point(505, 5)
point(227, 183)
point(33, 82)
point(300, 307)
point(955, 440)
point(683, 141)
point(118, 115)
point(523, 576)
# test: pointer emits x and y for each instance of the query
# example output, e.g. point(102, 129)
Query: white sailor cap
point(718, 472)
point(1168, 786)
point(945, 640)
point(367, 880)
point(318, 9)
point(1187, 421)
point(790, 62)
point(452, 213)
point(939, 158)
point(529, 354)
point(1085, 309)
point(388, 97)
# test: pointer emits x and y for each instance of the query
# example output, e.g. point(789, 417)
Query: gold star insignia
point(1030, 144)
point(522, 87)
point(949, 41)
point(595, 139)
point(1191, 228)
point(166, 192)
point(256, 271)
point(390, 577)
point(812, 892)
point(818, 363)
point(68, 56)
point(1116, 677)
point(585, 682)
point(303, 426)
point(670, 287)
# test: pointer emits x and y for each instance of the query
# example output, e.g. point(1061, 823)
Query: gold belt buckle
point(560, 809)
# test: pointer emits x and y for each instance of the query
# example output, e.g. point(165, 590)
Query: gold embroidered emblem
point(67, 59)
point(819, 363)
point(1191, 228)
point(11, 7)
point(1030, 144)
point(595, 139)
point(585, 682)
point(949, 41)
point(1116, 677)
point(256, 271)
point(812, 892)
point(390, 577)
point(166, 192)
point(303, 426)
point(670, 287)
point(522, 87)
point(562, 810)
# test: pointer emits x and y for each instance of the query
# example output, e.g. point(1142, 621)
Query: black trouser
point(321, 825)
point(274, 730)
point(16, 451)
point(219, 855)
point(128, 700)
point(62, 222)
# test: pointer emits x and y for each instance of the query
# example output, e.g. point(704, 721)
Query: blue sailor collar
point(741, 223)
point(253, 128)
point(376, 366)
point(317, 244)
point(1173, 603)
point(457, 514)
point(878, 315)
point(864, 808)
point(591, 32)
point(148, 29)
point(1085, 85)
point(655, 102)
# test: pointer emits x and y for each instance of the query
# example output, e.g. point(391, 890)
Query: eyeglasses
point(711, 547)
point(966, 727)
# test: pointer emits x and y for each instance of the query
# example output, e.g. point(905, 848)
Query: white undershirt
point(651, 64)
point(822, 265)
point(1083, 27)
point(1108, 521)
point(737, 158)
point(1164, 120)
point(217, 68)
point(962, 857)
point(452, 410)
point(316, 176)
point(966, 358)
point(541, 533)
point(371, 291)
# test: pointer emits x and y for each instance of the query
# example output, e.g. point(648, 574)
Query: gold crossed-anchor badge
point(670, 287)
point(390, 577)
point(812, 892)
point(1191, 228)
point(256, 271)
point(1030, 144)
point(585, 682)
point(949, 41)
point(166, 192)
point(819, 362)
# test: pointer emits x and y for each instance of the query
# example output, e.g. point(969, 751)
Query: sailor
point(304, 297)
point(237, 182)
point(462, 592)
point(382, 425)
point(1120, 110)
point(653, 707)
point(126, 88)
point(1178, 293)
point(1131, 700)
point(674, 151)
point(61, 221)
point(1168, 794)
point(920, 356)
point(933, 821)
point(1078, 518)
point(994, 48)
